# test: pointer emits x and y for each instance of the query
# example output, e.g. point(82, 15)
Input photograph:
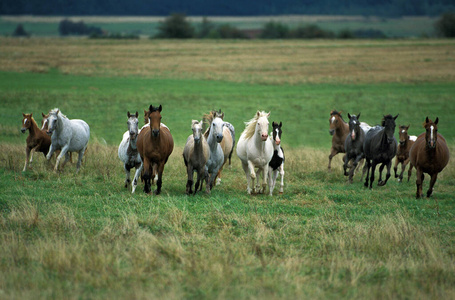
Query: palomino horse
point(155, 145)
point(214, 136)
point(67, 136)
point(406, 142)
point(380, 146)
point(430, 155)
point(339, 129)
point(255, 150)
point(37, 139)
point(276, 164)
point(227, 143)
point(127, 151)
point(353, 146)
point(195, 155)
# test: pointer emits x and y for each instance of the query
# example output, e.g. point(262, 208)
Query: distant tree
point(310, 32)
point(227, 31)
point(445, 25)
point(346, 34)
point(175, 27)
point(20, 31)
point(68, 27)
point(275, 30)
point(205, 28)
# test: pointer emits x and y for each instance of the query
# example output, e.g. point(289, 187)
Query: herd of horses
point(211, 144)
point(427, 153)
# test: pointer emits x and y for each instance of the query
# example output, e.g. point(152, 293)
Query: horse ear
point(43, 115)
point(151, 108)
point(426, 120)
point(349, 115)
point(281, 124)
point(274, 124)
point(160, 108)
point(268, 115)
point(58, 110)
point(358, 116)
point(258, 113)
point(31, 115)
point(128, 114)
point(436, 121)
point(408, 126)
point(137, 114)
point(394, 118)
point(23, 115)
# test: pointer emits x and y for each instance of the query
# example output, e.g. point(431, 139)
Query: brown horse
point(339, 129)
point(429, 154)
point(155, 145)
point(37, 139)
point(406, 142)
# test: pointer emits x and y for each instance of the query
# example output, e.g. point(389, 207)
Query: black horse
point(380, 146)
point(353, 145)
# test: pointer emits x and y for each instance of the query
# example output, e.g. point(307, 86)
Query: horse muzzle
point(432, 144)
point(219, 138)
point(332, 131)
point(390, 141)
point(23, 130)
point(156, 132)
point(264, 137)
point(49, 132)
point(278, 142)
point(402, 143)
point(353, 135)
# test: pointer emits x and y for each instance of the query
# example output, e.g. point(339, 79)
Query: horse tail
point(232, 131)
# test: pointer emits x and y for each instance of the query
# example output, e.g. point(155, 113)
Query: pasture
point(67, 235)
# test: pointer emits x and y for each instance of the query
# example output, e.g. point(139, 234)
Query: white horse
point(127, 151)
point(67, 136)
point(255, 150)
point(214, 136)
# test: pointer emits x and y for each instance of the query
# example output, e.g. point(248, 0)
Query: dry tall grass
point(291, 62)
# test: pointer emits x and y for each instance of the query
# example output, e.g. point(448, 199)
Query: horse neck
point(33, 129)
point(211, 140)
point(133, 143)
point(343, 128)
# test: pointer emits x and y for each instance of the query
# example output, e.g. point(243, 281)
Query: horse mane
point(55, 110)
point(250, 126)
point(338, 113)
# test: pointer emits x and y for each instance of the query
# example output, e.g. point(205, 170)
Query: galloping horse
point(339, 129)
point(406, 142)
point(380, 146)
point(353, 145)
point(214, 136)
point(155, 145)
point(276, 164)
point(195, 155)
point(227, 143)
point(68, 136)
point(430, 155)
point(45, 127)
point(255, 150)
point(127, 151)
point(37, 139)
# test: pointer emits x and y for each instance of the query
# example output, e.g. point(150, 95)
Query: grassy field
point(64, 235)
point(404, 27)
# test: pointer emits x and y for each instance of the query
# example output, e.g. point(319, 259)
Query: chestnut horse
point(406, 142)
point(37, 139)
point(155, 145)
point(339, 129)
point(429, 154)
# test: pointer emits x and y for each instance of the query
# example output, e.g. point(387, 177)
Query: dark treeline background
point(390, 8)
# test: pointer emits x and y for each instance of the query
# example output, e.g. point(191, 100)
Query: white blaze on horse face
point(431, 135)
point(277, 139)
point(25, 121)
point(332, 119)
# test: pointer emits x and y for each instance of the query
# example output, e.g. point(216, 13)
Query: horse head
point(154, 116)
point(217, 125)
point(44, 124)
point(196, 126)
point(262, 125)
point(276, 132)
point(26, 122)
point(133, 125)
point(334, 121)
point(388, 122)
point(52, 121)
point(431, 135)
point(354, 125)
point(403, 134)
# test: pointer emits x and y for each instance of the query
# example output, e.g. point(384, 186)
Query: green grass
point(67, 235)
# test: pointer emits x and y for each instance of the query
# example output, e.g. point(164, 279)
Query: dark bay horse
point(380, 147)
point(37, 139)
point(339, 129)
point(406, 142)
point(429, 154)
point(155, 145)
point(353, 145)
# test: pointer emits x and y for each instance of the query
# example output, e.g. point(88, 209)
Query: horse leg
point(381, 168)
point(218, 176)
point(403, 167)
point(395, 167)
point(333, 152)
point(159, 182)
point(419, 182)
point(248, 178)
point(67, 158)
point(146, 176)
point(387, 175)
point(367, 167)
point(189, 182)
point(282, 178)
point(252, 173)
point(127, 174)
point(59, 157)
point(354, 166)
point(79, 158)
point(345, 165)
point(264, 172)
point(432, 182)
point(27, 155)
point(410, 171)
point(51, 151)
point(373, 169)
point(136, 176)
